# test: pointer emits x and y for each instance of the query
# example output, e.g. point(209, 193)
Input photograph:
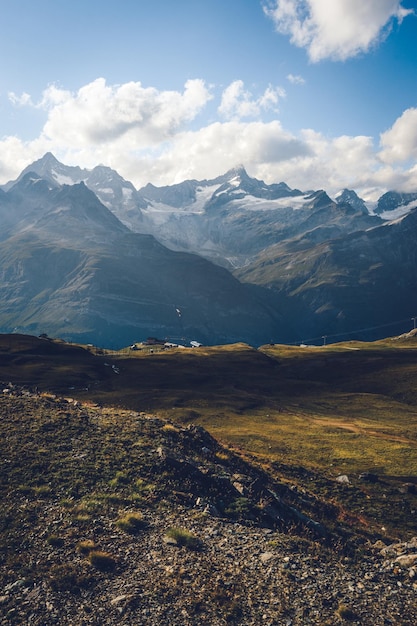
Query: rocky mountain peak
point(48, 159)
point(393, 200)
point(319, 199)
point(351, 197)
point(49, 168)
point(237, 172)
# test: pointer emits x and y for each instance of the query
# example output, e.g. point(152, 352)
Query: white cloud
point(332, 163)
point(269, 152)
point(99, 113)
point(152, 136)
point(23, 100)
point(336, 29)
point(399, 143)
point(212, 150)
point(296, 79)
point(238, 103)
point(16, 154)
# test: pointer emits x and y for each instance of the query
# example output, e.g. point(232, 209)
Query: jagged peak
point(48, 160)
point(48, 156)
point(238, 170)
point(346, 193)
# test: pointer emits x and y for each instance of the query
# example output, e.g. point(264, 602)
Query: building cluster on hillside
point(162, 344)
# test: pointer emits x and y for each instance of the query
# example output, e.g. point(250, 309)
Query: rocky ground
point(117, 517)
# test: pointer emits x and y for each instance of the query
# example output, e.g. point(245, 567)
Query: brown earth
point(259, 542)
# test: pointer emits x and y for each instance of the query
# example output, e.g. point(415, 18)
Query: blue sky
point(317, 93)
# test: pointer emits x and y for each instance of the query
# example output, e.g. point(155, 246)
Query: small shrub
point(141, 486)
point(42, 491)
point(240, 507)
point(68, 578)
point(131, 523)
point(67, 503)
point(24, 489)
point(223, 457)
point(114, 498)
point(184, 538)
point(55, 541)
point(170, 429)
point(90, 505)
point(121, 478)
point(228, 604)
point(86, 546)
point(345, 613)
point(82, 518)
point(102, 561)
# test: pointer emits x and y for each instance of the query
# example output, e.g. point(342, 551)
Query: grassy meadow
point(338, 409)
point(348, 407)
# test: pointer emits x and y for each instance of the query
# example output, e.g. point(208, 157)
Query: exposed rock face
point(70, 268)
point(351, 197)
point(393, 199)
point(362, 281)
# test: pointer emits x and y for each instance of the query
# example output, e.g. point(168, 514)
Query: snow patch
point(127, 193)
point(61, 179)
point(107, 190)
point(371, 206)
point(203, 195)
point(250, 203)
point(235, 182)
point(159, 212)
point(399, 211)
point(397, 220)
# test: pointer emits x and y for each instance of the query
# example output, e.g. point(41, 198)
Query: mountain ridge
point(292, 259)
point(69, 267)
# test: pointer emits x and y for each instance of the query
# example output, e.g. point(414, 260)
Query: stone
point(343, 479)
point(118, 600)
point(266, 556)
point(406, 560)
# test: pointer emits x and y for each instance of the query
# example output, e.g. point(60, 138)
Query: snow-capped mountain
point(70, 268)
point(228, 219)
point(394, 204)
point(116, 193)
point(84, 254)
point(232, 218)
point(351, 197)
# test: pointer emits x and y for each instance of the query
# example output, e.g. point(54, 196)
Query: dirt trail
point(354, 428)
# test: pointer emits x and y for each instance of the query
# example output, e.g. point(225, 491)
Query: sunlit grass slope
point(340, 408)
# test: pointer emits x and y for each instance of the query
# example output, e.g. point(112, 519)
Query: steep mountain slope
point(110, 188)
point(232, 218)
point(366, 279)
point(69, 267)
point(351, 197)
point(393, 200)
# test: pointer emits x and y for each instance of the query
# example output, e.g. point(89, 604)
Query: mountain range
point(86, 256)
